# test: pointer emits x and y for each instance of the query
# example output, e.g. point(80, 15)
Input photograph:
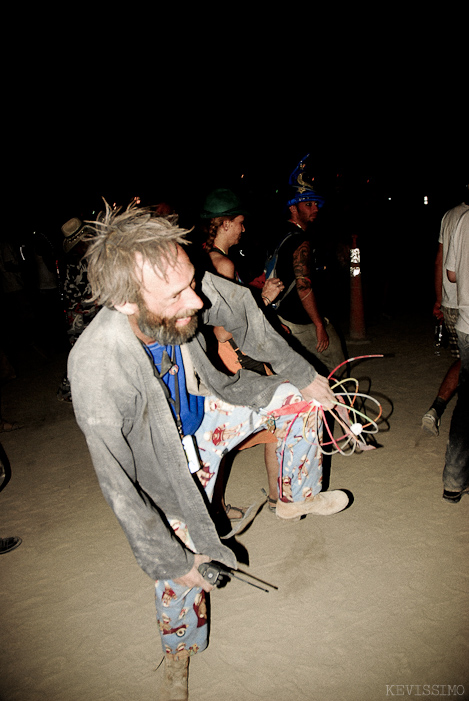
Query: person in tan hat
point(79, 309)
point(73, 230)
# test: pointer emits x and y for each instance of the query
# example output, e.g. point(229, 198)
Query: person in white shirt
point(456, 470)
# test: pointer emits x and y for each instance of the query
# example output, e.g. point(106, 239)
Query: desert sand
point(371, 603)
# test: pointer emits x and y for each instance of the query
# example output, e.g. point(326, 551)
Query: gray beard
point(164, 330)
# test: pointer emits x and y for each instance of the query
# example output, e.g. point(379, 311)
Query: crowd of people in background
point(44, 288)
point(301, 307)
point(34, 261)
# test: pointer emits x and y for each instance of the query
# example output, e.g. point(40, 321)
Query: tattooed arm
point(301, 269)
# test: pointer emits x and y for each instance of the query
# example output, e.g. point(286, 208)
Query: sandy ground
point(367, 600)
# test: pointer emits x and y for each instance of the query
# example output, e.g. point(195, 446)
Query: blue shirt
point(191, 406)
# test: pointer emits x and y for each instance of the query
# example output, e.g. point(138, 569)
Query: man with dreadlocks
point(158, 417)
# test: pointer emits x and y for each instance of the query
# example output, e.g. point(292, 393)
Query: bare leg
point(271, 464)
point(431, 420)
point(450, 382)
point(234, 513)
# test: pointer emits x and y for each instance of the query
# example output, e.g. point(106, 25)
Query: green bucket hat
point(222, 203)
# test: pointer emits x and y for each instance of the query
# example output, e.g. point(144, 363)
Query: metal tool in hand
point(213, 572)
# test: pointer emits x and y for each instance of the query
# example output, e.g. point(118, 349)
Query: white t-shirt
point(448, 225)
point(457, 260)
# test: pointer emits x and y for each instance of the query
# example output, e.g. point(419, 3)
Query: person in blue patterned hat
point(298, 308)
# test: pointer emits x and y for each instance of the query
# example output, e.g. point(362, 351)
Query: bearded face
point(167, 305)
point(165, 330)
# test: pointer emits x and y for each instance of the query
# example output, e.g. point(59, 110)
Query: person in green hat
point(224, 214)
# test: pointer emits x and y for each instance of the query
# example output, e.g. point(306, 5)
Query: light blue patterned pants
point(181, 611)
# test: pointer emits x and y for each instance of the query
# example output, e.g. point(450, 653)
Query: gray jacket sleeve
point(151, 539)
point(136, 450)
point(234, 307)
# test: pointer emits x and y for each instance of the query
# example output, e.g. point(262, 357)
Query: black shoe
point(7, 544)
point(454, 497)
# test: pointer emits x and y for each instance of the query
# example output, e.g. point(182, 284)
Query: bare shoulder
point(223, 265)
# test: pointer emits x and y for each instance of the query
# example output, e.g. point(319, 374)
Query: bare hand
point(193, 578)
point(323, 338)
point(272, 288)
point(319, 390)
point(437, 311)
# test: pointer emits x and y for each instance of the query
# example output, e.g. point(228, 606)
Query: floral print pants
point(182, 611)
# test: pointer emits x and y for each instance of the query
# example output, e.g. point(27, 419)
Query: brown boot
point(174, 686)
point(321, 504)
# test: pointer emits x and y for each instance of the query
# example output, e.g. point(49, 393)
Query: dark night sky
point(116, 130)
point(179, 101)
point(90, 116)
point(60, 168)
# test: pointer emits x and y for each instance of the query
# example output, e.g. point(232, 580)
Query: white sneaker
point(431, 422)
point(322, 504)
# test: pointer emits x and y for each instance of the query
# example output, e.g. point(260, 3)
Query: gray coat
point(131, 433)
